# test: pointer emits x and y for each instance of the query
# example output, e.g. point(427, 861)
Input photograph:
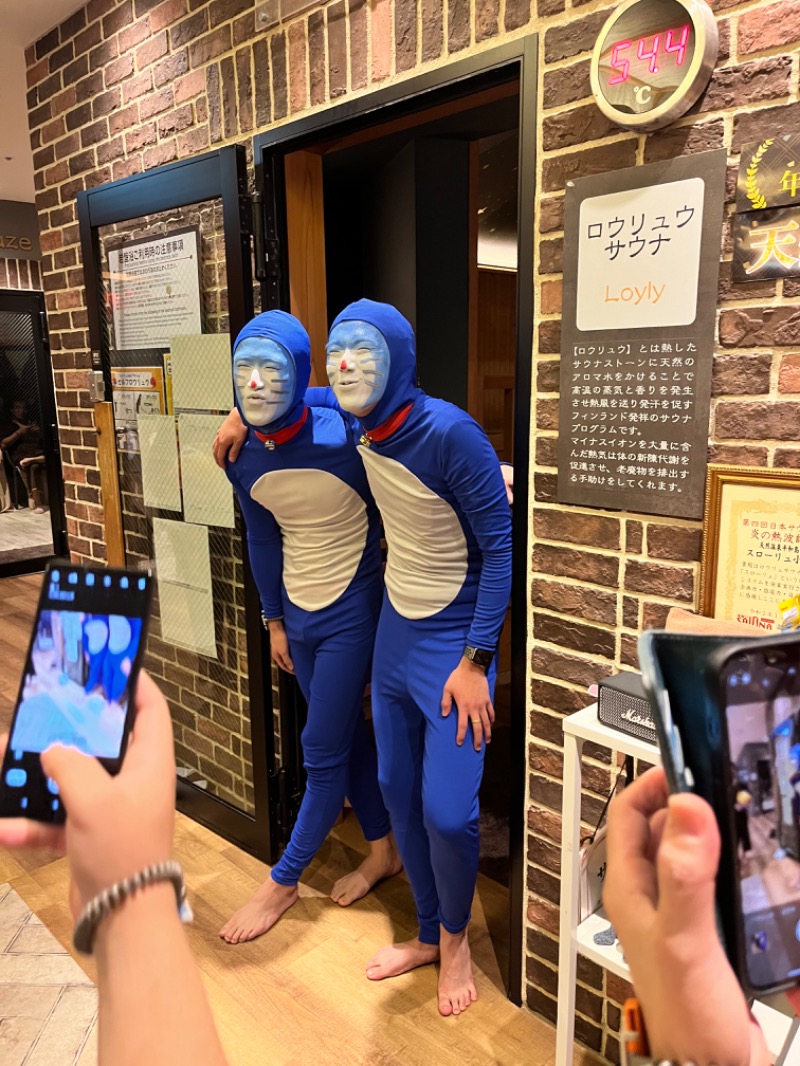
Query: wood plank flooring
point(298, 996)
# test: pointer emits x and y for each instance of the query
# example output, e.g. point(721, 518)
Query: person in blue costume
point(445, 510)
point(313, 541)
point(442, 498)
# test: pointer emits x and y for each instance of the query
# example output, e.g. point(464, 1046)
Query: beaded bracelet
point(115, 895)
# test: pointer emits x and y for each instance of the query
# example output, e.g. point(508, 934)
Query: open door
point(404, 163)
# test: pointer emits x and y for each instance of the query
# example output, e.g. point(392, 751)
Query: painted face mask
point(358, 365)
point(264, 377)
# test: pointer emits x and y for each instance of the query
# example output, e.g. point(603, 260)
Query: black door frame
point(220, 174)
point(517, 59)
point(24, 301)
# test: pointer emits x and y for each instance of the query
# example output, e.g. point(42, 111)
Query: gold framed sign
point(751, 544)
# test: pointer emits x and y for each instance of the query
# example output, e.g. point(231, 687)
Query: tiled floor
point(48, 1006)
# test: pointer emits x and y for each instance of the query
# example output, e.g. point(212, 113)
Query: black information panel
point(641, 268)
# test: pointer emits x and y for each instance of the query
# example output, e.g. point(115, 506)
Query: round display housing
point(652, 61)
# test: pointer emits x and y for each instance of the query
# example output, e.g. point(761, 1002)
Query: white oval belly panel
point(324, 526)
point(427, 561)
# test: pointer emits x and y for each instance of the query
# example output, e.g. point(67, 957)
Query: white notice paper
point(161, 485)
point(639, 257)
point(183, 565)
point(201, 372)
point(207, 493)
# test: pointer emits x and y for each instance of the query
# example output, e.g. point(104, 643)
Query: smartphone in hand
point(85, 651)
point(756, 685)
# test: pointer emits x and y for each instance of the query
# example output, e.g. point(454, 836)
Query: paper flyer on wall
point(161, 483)
point(201, 372)
point(185, 595)
point(207, 493)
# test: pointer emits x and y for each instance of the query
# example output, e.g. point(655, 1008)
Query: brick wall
point(20, 274)
point(124, 86)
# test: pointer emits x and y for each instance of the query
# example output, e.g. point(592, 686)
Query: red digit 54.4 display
point(654, 51)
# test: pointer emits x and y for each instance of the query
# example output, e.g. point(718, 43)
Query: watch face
point(646, 56)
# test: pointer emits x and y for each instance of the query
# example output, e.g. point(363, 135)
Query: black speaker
point(623, 705)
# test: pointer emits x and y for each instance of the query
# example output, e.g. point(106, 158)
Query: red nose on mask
point(253, 385)
point(343, 365)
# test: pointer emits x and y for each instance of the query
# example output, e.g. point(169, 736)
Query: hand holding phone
point(728, 716)
point(117, 824)
point(83, 659)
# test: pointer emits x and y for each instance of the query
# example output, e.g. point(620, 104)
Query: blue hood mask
point(284, 330)
point(401, 386)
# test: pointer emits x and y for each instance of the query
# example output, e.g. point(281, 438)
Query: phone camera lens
point(760, 940)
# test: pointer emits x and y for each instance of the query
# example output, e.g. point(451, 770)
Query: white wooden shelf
point(610, 958)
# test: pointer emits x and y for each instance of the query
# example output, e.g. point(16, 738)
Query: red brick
point(133, 35)
point(518, 14)
point(137, 86)
point(172, 67)
point(670, 581)
point(405, 36)
point(157, 103)
point(153, 48)
point(298, 80)
point(381, 32)
point(567, 85)
point(558, 170)
point(193, 141)
point(736, 87)
point(165, 152)
point(757, 421)
point(244, 89)
point(359, 43)
point(277, 46)
point(773, 26)
point(789, 374)
point(487, 15)
point(209, 47)
point(458, 25)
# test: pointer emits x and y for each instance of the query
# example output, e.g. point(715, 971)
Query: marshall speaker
point(623, 704)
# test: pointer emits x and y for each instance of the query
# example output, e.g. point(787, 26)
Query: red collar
point(272, 440)
point(386, 429)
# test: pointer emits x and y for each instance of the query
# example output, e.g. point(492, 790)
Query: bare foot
point(383, 861)
point(400, 958)
point(456, 985)
point(260, 913)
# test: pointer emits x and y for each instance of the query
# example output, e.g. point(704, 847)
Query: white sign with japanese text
point(154, 290)
point(639, 257)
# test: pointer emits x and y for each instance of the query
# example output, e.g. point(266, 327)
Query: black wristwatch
point(479, 656)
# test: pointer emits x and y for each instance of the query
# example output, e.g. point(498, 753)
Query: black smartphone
point(85, 651)
point(757, 687)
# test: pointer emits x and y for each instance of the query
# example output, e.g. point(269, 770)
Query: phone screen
point(85, 650)
point(762, 708)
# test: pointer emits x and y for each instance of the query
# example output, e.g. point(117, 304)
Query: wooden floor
point(298, 997)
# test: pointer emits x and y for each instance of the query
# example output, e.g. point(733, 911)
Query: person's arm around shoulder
point(663, 853)
point(153, 1008)
point(229, 440)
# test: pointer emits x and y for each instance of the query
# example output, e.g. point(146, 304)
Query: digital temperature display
point(653, 59)
point(655, 51)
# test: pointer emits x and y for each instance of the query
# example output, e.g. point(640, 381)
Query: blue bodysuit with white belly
point(313, 541)
point(438, 486)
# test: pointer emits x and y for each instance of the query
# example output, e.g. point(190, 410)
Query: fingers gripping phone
point(728, 717)
point(757, 685)
point(84, 654)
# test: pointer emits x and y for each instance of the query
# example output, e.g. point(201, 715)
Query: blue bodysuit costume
point(313, 540)
point(437, 483)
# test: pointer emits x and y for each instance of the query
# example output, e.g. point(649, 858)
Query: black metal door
point(31, 487)
point(169, 283)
